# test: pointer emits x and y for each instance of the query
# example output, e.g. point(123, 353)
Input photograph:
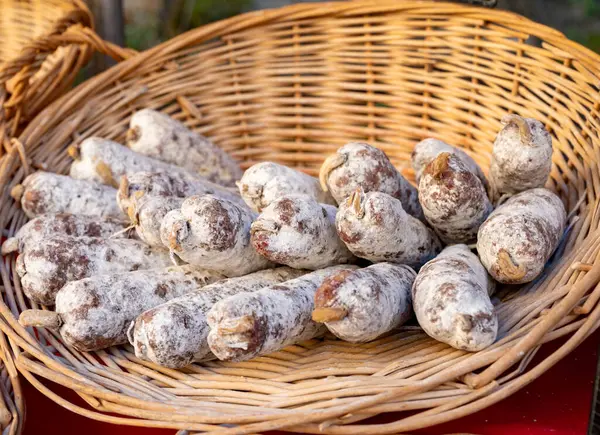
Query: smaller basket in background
point(43, 45)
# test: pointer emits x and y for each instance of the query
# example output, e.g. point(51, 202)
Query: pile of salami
point(166, 244)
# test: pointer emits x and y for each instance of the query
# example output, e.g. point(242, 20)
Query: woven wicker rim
point(292, 85)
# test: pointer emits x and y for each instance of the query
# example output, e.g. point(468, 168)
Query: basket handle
point(15, 74)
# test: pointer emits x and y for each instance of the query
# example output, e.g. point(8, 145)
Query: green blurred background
point(148, 22)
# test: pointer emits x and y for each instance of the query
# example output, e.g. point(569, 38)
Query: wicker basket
point(43, 45)
point(12, 405)
point(292, 85)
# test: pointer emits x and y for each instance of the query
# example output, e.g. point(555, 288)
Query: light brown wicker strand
point(25, 21)
point(40, 58)
point(10, 386)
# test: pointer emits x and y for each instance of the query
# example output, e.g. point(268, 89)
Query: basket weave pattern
point(43, 45)
point(21, 24)
point(292, 85)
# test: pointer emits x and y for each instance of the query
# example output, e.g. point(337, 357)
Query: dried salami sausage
point(157, 135)
point(299, 232)
point(518, 238)
point(50, 225)
point(175, 334)
point(213, 233)
point(45, 268)
point(251, 324)
point(147, 215)
point(521, 157)
point(451, 300)
point(454, 200)
point(267, 182)
point(94, 313)
point(135, 187)
point(361, 305)
point(428, 149)
point(47, 193)
point(105, 161)
point(374, 226)
point(362, 165)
